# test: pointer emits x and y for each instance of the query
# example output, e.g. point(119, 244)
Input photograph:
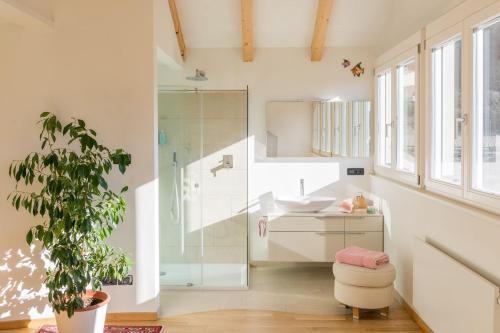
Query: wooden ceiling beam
point(247, 30)
point(322, 18)
point(177, 27)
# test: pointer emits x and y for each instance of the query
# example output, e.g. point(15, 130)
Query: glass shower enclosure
point(203, 180)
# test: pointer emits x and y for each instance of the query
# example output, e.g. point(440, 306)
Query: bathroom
point(267, 139)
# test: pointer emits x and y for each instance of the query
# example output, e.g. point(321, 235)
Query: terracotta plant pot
point(88, 320)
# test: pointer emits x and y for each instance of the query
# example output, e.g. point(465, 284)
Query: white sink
point(306, 204)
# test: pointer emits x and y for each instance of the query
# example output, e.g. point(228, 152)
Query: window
point(406, 127)
point(446, 118)
point(384, 119)
point(486, 108)
point(397, 111)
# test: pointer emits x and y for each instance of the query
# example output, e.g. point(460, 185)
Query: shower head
point(199, 76)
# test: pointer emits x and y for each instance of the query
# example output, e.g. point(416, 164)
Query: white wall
point(470, 236)
point(276, 74)
point(98, 63)
point(166, 41)
point(282, 74)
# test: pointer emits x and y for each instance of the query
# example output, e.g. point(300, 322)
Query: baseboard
point(13, 324)
point(414, 315)
point(117, 316)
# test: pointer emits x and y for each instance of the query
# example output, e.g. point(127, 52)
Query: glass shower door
point(180, 201)
point(225, 174)
point(203, 174)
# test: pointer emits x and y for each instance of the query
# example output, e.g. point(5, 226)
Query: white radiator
point(450, 297)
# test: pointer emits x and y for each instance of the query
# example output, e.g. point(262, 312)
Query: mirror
point(318, 128)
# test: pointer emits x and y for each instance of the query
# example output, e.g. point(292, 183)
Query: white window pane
point(447, 113)
point(406, 134)
point(486, 117)
point(384, 119)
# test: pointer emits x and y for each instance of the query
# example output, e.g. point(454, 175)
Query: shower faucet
point(226, 163)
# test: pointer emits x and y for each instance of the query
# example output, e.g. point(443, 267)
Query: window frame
point(381, 165)
point(490, 201)
point(391, 65)
point(435, 185)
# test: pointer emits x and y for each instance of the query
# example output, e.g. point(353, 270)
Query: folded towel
point(358, 256)
point(262, 225)
point(346, 206)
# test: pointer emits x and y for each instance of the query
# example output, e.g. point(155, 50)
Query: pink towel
point(346, 206)
point(262, 225)
point(358, 256)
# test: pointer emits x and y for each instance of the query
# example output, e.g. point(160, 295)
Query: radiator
point(450, 297)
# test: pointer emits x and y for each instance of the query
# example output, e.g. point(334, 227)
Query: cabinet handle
point(330, 233)
point(354, 233)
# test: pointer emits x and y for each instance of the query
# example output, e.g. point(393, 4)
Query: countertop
point(323, 213)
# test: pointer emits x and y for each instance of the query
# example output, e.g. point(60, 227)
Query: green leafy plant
point(66, 185)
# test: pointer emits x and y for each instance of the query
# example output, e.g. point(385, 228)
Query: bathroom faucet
point(302, 187)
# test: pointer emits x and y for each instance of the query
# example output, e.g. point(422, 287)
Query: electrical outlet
point(127, 281)
point(355, 171)
point(109, 282)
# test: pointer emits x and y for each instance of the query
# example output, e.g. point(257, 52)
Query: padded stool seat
point(364, 277)
point(364, 288)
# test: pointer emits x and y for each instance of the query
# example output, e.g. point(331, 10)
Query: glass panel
point(179, 152)
point(447, 112)
point(384, 119)
point(203, 201)
point(406, 134)
point(224, 188)
point(486, 116)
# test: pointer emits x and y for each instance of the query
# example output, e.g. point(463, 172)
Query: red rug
point(111, 329)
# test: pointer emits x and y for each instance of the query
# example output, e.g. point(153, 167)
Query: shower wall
point(206, 243)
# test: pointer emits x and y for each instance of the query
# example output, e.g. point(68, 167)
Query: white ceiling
point(290, 23)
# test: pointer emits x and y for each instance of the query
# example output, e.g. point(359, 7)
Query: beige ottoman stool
point(364, 288)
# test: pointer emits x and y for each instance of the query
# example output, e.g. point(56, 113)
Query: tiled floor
point(279, 287)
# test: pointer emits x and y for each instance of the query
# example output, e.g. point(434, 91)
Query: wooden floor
point(258, 321)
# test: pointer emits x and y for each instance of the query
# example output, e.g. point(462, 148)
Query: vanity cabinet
point(317, 238)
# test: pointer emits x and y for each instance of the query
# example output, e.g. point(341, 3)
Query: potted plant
point(66, 186)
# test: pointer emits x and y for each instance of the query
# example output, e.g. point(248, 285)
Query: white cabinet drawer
point(305, 246)
point(306, 223)
point(364, 223)
point(369, 240)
